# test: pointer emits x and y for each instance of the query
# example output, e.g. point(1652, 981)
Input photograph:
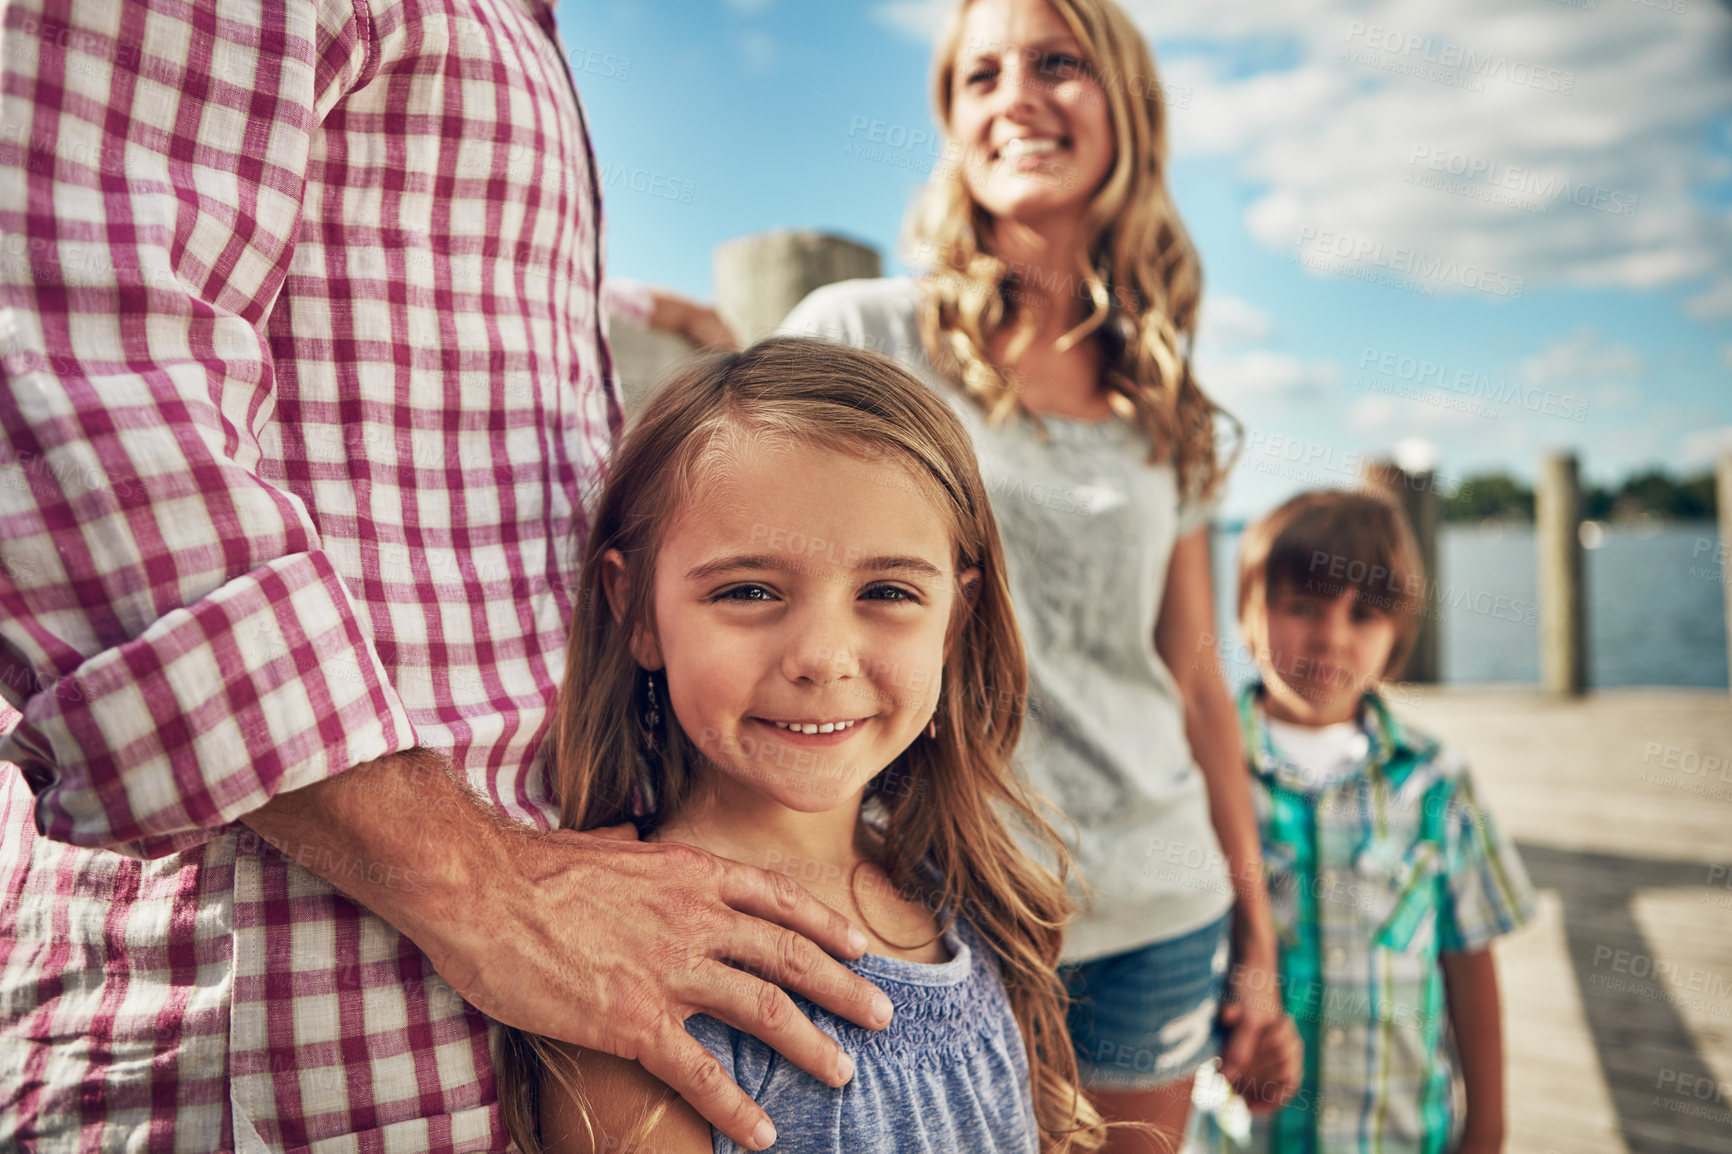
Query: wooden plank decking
point(1618, 999)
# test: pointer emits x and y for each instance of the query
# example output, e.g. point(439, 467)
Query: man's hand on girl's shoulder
point(618, 942)
point(592, 938)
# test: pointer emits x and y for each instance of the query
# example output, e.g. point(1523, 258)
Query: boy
point(1388, 879)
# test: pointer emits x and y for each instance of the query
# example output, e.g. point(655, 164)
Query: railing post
point(1558, 540)
point(1416, 493)
point(760, 278)
point(1723, 501)
point(640, 356)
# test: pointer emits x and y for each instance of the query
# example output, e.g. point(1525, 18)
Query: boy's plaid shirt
point(302, 386)
point(1370, 878)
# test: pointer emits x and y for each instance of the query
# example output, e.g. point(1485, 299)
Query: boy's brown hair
point(1330, 542)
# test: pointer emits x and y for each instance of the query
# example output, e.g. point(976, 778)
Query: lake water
point(1656, 613)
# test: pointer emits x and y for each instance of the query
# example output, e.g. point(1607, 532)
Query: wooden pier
point(1618, 997)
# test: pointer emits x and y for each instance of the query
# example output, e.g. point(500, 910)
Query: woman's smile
point(1030, 153)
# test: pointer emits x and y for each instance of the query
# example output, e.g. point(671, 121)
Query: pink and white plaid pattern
point(303, 386)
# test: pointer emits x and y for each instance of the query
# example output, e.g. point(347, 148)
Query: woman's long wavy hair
point(1138, 268)
point(941, 803)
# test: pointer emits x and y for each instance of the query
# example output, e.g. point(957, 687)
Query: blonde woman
point(1056, 315)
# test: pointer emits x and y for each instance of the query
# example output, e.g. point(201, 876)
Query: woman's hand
point(1276, 1068)
point(698, 323)
point(590, 938)
point(1253, 1015)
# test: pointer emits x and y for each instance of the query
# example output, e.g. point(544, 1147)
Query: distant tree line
point(1654, 493)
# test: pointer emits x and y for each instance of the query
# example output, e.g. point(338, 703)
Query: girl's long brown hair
point(1138, 269)
point(939, 804)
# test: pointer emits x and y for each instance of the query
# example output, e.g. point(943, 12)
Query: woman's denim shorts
point(1147, 1017)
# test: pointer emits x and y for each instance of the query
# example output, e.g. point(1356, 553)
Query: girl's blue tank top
point(949, 1073)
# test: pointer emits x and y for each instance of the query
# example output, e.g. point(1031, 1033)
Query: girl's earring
point(932, 724)
point(652, 715)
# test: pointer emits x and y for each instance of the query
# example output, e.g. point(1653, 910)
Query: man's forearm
point(398, 835)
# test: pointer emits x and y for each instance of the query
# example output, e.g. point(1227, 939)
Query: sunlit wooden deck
point(1618, 999)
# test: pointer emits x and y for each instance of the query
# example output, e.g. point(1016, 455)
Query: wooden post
point(641, 356)
point(1558, 540)
point(1416, 493)
point(760, 278)
point(1723, 501)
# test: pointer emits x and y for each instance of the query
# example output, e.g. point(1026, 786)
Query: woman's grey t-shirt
point(949, 1073)
point(1089, 527)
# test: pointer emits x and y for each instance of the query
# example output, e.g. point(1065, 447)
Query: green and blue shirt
point(1372, 875)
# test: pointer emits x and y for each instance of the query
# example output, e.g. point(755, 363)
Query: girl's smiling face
point(1028, 112)
point(802, 604)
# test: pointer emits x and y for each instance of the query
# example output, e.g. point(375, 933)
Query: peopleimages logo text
point(1525, 182)
point(1320, 244)
point(1469, 384)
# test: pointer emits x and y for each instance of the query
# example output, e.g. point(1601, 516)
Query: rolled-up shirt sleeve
point(178, 644)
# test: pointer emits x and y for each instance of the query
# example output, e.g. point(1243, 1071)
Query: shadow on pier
point(1644, 1047)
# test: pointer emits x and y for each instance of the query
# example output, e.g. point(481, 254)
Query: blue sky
point(1495, 226)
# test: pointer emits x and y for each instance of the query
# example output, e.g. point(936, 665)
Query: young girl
point(795, 648)
point(1055, 317)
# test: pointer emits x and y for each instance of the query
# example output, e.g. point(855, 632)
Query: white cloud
point(1372, 414)
point(1704, 447)
point(1236, 373)
point(919, 20)
point(1726, 356)
point(1260, 376)
point(1593, 187)
point(1713, 303)
point(1615, 395)
point(1388, 416)
point(1229, 322)
point(1541, 144)
point(1582, 358)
